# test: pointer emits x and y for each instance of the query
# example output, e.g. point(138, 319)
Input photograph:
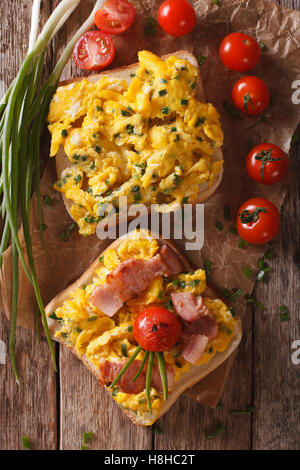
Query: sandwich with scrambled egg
point(143, 131)
point(141, 295)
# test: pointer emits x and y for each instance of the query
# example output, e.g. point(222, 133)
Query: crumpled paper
point(279, 30)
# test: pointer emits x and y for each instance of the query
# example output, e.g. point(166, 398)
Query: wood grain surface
point(55, 409)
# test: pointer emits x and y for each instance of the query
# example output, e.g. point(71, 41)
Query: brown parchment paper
point(279, 30)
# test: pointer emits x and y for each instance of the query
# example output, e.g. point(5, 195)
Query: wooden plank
point(276, 421)
point(187, 423)
point(31, 407)
point(83, 406)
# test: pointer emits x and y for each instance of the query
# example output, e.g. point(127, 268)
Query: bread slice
point(62, 162)
point(187, 380)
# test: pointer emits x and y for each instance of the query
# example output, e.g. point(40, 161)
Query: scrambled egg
point(151, 141)
point(92, 333)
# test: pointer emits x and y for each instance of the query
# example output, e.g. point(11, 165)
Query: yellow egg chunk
point(151, 141)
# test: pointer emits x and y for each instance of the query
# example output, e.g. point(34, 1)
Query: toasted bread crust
point(187, 380)
point(62, 162)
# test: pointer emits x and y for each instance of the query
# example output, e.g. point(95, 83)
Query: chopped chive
point(247, 272)
point(262, 46)
point(124, 350)
point(86, 437)
point(129, 329)
point(130, 129)
point(184, 102)
point(169, 305)
point(283, 313)
point(54, 316)
point(220, 429)
point(27, 444)
point(201, 59)
point(227, 212)
point(77, 179)
point(248, 411)
point(165, 110)
point(124, 112)
point(184, 200)
point(93, 318)
point(194, 282)
point(47, 200)
point(160, 294)
point(232, 311)
point(151, 26)
point(199, 121)
point(207, 268)
point(64, 133)
point(242, 243)
point(100, 259)
point(156, 429)
point(251, 300)
point(269, 254)
point(231, 110)
point(163, 80)
point(162, 92)
point(219, 226)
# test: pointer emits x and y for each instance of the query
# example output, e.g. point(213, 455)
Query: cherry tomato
point(257, 221)
point(267, 163)
point(251, 95)
point(115, 17)
point(94, 51)
point(156, 329)
point(177, 17)
point(239, 52)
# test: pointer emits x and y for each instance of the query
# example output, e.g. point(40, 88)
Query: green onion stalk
point(150, 355)
point(23, 110)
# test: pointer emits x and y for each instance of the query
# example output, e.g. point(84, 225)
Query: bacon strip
point(199, 325)
point(131, 277)
point(195, 348)
point(191, 309)
point(109, 370)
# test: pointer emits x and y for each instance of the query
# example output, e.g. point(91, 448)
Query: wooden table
point(55, 409)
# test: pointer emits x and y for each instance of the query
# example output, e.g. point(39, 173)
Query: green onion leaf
point(141, 366)
point(163, 373)
point(148, 379)
point(128, 363)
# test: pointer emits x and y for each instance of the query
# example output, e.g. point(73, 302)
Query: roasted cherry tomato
point(115, 17)
point(267, 163)
point(239, 52)
point(156, 329)
point(257, 221)
point(94, 51)
point(251, 95)
point(177, 17)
